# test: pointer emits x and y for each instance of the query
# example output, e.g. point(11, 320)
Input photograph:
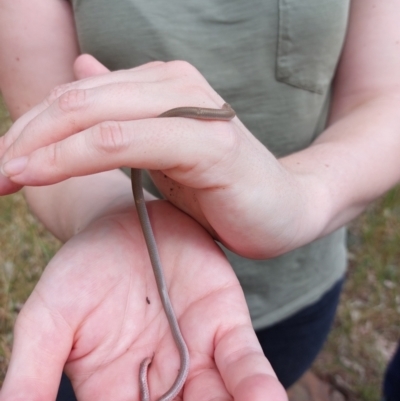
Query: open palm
point(96, 310)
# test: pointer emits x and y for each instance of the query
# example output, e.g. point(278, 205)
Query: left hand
point(217, 172)
point(97, 311)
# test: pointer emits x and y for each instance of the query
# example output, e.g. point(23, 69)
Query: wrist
point(271, 214)
point(294, 212)
point(296, 205)
point(313, 195)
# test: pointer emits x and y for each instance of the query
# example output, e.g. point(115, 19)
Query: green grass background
point(367, 326)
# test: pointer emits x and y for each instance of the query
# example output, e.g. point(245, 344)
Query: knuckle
point(182, 68)
point(155, 63)
point(73, 99)
point(198, 91)
point(56, 92)
point(228, 140)
point(53, 154)
point(110, 137)
point(189, 80)
point(5, 142)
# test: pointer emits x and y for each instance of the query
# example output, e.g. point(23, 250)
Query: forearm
point(36, 55)
point(68, 207)
point(351, 164)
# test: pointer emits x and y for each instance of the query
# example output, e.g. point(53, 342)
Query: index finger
point(16, 132)
point(68, 109)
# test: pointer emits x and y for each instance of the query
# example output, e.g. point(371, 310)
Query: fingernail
point(14, 166)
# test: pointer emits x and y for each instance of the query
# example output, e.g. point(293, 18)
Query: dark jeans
point(391, 384)
point(291, 345)
point(65, 391)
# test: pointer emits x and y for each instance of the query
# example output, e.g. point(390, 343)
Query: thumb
point(86, 66)
point(42, 343)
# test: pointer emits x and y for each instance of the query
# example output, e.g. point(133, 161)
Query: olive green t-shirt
point(273, 61)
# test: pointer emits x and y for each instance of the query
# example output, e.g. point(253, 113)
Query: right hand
point(217, 172)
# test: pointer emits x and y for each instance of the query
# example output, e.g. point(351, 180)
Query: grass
point(366, 329)
point(25, 249)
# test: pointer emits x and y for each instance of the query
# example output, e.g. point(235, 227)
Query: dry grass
point(366, 329)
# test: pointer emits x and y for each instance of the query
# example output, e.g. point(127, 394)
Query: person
point(276, 184)
point(95, 311)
